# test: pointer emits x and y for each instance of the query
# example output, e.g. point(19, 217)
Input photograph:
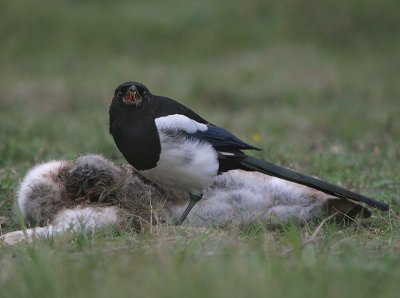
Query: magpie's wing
point(219, 138)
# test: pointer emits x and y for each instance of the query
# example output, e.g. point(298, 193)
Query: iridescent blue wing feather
point(221, 139)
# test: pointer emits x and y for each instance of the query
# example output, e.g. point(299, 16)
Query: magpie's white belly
point(185, 164)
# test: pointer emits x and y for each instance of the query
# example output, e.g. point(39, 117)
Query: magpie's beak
point(132, 96)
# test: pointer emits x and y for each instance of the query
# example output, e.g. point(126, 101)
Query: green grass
point(316, 80)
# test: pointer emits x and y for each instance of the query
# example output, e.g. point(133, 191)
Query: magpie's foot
point(194, 198)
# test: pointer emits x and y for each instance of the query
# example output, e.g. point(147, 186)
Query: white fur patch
point(186, 164)
point(44, 173)
point(179, 122)
point(239, 197)
point(86, 220)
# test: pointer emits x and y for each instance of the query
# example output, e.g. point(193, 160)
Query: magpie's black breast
point(135, 134)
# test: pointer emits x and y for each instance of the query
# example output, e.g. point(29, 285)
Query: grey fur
point(92, 180)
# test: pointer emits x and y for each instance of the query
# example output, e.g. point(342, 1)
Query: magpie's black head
point(131, 93)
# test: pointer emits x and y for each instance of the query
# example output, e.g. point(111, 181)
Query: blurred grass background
point(315, 83)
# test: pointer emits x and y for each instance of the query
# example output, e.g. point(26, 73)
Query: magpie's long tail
point(254, 164)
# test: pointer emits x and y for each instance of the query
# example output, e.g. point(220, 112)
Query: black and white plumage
point(173, 146)
point(169, 143)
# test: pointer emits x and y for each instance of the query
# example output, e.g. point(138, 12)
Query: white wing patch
point(179, 122)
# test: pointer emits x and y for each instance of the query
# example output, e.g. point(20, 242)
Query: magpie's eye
point(119, 94)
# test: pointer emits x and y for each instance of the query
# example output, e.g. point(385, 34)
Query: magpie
point(173, 146)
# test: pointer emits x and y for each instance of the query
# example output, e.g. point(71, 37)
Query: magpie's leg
point(194, 198)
